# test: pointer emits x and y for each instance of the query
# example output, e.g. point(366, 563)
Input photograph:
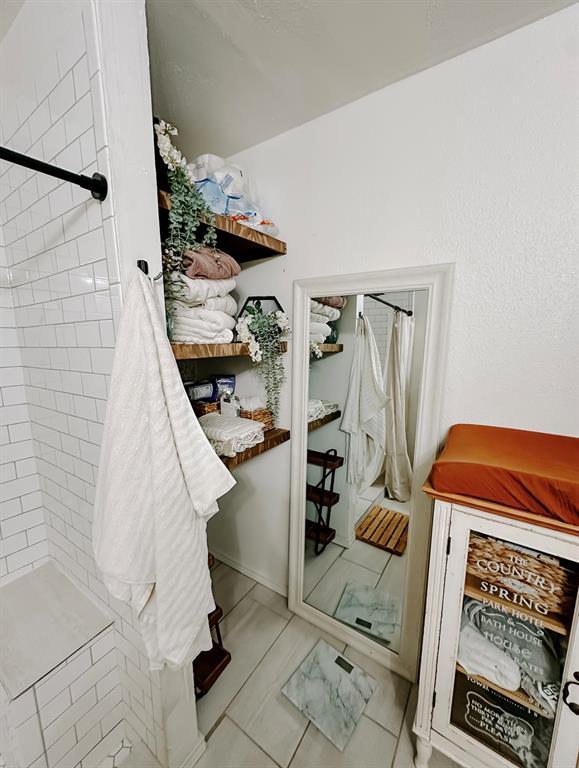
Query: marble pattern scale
point(331, 692)
point(374, 613)
point(260, 708)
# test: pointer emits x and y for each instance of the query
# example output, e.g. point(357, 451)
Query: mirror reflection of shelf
point(519, 697)
point(317, 423)
point(272, 438)
point(330, 349)
point(240, 241)
point(200, 351)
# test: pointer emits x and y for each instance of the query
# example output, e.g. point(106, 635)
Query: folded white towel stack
point(205, 311)
point(320, 317)
point(230, 435)
point(317, 409)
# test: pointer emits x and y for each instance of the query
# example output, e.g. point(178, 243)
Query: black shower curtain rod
point(97, 183)
point(392, 306)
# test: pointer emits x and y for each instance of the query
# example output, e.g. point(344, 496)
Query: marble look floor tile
point(331, 692)
point(229, 586)
point(404, 757)
point(393, 581)
point(261, 709)
point(229, 747)
point(326, 595)
point(315, 566)
point(389, 700)
point(369, 747)
point(248, 631)
point(272, 600)
point(367, 556)
point(375, 613)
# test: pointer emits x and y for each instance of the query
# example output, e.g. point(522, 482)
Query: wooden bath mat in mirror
point(385, 529)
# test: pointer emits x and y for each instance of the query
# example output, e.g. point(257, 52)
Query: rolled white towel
point(315, 317)
point(231, 434)
point(183, 336)
point(252, 403)
point(317, 338)
point(203, 319)
point(195, 292)
point(315, 409)
point(320, 329)
point(322, 309)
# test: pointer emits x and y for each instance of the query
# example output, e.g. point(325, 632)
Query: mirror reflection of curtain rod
point(392, 306)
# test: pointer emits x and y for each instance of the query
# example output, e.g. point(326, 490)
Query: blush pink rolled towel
point(338, 302)
point(209, 264)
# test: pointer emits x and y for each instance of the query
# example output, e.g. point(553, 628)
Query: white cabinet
point(501, 643)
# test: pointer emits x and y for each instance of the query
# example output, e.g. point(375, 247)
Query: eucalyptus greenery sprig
point(263, 333)
point(188, 209)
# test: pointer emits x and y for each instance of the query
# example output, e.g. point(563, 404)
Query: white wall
point(61, 262)
point(470, 162)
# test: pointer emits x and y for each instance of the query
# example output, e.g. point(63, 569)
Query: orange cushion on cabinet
point(531, 471)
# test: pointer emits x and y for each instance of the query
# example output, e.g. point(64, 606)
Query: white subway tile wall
point(381, 316)
point(66, 719)
point(59, 303)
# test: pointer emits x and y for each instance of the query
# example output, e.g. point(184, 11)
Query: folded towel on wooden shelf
point(208, 320)
point(315, 409)
point(338, 302)
point(320, 329)
point(330, 406)
point(209, 263)
point(315, 317)
point(225, 304)
point(197, 292)
point(317, 338)
point(185, 336)
point(330, 313)
point(230, 435)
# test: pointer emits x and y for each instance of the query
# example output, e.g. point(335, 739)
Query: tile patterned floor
point(247, 721)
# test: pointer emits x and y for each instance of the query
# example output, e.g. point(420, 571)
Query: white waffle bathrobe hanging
point(158, 482)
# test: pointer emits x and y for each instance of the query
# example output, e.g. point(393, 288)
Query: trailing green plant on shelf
point(263, 333)
point(188, 210)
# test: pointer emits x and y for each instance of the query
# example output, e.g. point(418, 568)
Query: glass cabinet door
point(510, 616)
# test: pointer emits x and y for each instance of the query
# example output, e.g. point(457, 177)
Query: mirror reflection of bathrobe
point(397, 468)
point(364, 419)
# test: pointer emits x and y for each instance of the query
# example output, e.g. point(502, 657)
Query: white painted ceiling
point(232, 73)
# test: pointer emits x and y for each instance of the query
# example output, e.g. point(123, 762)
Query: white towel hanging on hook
point(158, 483)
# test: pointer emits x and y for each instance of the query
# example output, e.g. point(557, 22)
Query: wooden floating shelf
point(317, 423)
point(331, 349)
point(272, 438)
point(242, 242)
point(200, 351)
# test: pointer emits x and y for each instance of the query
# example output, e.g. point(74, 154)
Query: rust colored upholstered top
point(531, 471)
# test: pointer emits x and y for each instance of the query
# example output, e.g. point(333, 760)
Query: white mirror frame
point(437, 279)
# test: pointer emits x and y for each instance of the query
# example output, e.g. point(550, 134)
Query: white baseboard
point(249, 572)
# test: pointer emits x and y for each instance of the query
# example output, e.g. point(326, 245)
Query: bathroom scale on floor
point(331, 692)
point(372, 611)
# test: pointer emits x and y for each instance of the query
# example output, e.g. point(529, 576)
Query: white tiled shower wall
point(60, 302)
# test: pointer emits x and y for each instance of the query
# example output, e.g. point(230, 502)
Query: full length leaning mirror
point(368, 373)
